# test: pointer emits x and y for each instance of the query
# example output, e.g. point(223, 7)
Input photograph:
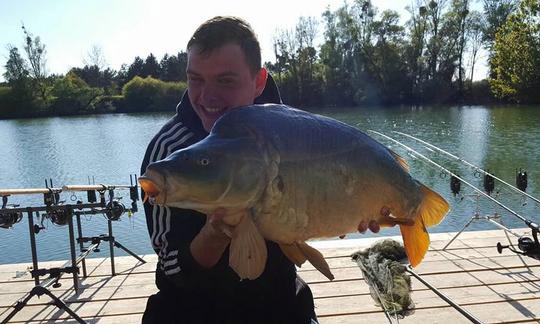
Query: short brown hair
point(221, 30)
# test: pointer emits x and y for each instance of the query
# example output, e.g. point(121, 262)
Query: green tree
point(414, 49)
point(337, 89)
point(151, 67)
point(73, 96)
point(496, 12)
point(16, 68)
point(95, 77)
point(515, 60)
point(173, 68)
point(296, 53)
point(386, 64)
point(37, 62)
point(18, 97)
point(476, 26)
point(135, 69)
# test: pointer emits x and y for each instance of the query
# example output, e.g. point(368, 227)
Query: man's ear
point(260, 81)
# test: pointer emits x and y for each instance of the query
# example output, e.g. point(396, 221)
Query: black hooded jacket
point(171, 231)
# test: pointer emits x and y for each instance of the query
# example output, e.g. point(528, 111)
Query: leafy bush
point(151, 94)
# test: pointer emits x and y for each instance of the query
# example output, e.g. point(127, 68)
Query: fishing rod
point(527, 245)
point(476, 168)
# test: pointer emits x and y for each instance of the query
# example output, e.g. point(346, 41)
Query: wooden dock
point(495, 288)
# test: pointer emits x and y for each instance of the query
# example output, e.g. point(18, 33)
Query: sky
point(125, 29)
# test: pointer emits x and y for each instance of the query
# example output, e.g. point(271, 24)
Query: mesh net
point(384, 272)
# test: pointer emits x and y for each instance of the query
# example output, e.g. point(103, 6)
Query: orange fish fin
point(415, 241)
point(293, 253)
point(247, 252)
point(432, 210)
point(433, 207)
point(316, 259)
point(401, 161)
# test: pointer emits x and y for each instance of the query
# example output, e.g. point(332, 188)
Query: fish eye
point(204, 161)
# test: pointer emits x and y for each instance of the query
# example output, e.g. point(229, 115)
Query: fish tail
point(433, 207)
point(432, 210)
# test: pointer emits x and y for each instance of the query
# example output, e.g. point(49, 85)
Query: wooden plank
point(428, 299)
point(479, 296)
point(86, 310)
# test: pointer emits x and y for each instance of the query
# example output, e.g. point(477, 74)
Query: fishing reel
point(9, 218)
point(114, 210)
point(60, 216)
point(528, 246)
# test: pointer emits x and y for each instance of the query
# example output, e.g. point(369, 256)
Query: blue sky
point(125, 29)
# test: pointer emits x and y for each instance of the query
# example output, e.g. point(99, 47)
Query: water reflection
point(474, 128)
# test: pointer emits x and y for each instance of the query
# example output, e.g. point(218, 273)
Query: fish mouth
point(154, 193)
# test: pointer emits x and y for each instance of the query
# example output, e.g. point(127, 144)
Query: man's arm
point(208, 246)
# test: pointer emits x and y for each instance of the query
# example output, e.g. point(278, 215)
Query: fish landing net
point(384, 270)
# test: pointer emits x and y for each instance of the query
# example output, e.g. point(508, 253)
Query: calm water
point(68, 150)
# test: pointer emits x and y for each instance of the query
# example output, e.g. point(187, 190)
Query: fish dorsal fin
point(401, 161)
point(293, 253)
point(247, 252)
point(316, 259)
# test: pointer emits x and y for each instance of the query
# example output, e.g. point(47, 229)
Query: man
point(195, 283)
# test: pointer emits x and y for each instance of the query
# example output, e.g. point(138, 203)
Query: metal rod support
point(72, 251)
point(81, 245)
point(457, 307)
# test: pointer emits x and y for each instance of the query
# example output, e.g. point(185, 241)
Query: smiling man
point(221, 79)
point(195, 283)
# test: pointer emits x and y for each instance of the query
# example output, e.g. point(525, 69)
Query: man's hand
point(208, 246)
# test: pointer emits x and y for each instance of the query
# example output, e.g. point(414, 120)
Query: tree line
point(143, 85)
point(366, 57)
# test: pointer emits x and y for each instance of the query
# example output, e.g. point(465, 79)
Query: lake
point(109, 148)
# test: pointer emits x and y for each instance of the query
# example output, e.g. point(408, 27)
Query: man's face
point(220, 81)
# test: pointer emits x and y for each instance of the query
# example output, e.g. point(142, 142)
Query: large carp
point(287, 176)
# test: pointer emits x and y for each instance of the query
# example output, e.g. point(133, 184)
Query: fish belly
point(332, 196)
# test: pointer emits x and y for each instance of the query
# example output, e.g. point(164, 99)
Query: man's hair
point(222, 30)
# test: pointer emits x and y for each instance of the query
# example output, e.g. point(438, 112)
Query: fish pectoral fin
point(293, 253)
point(316, 259)
point(247, 252)
point(415, 241)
